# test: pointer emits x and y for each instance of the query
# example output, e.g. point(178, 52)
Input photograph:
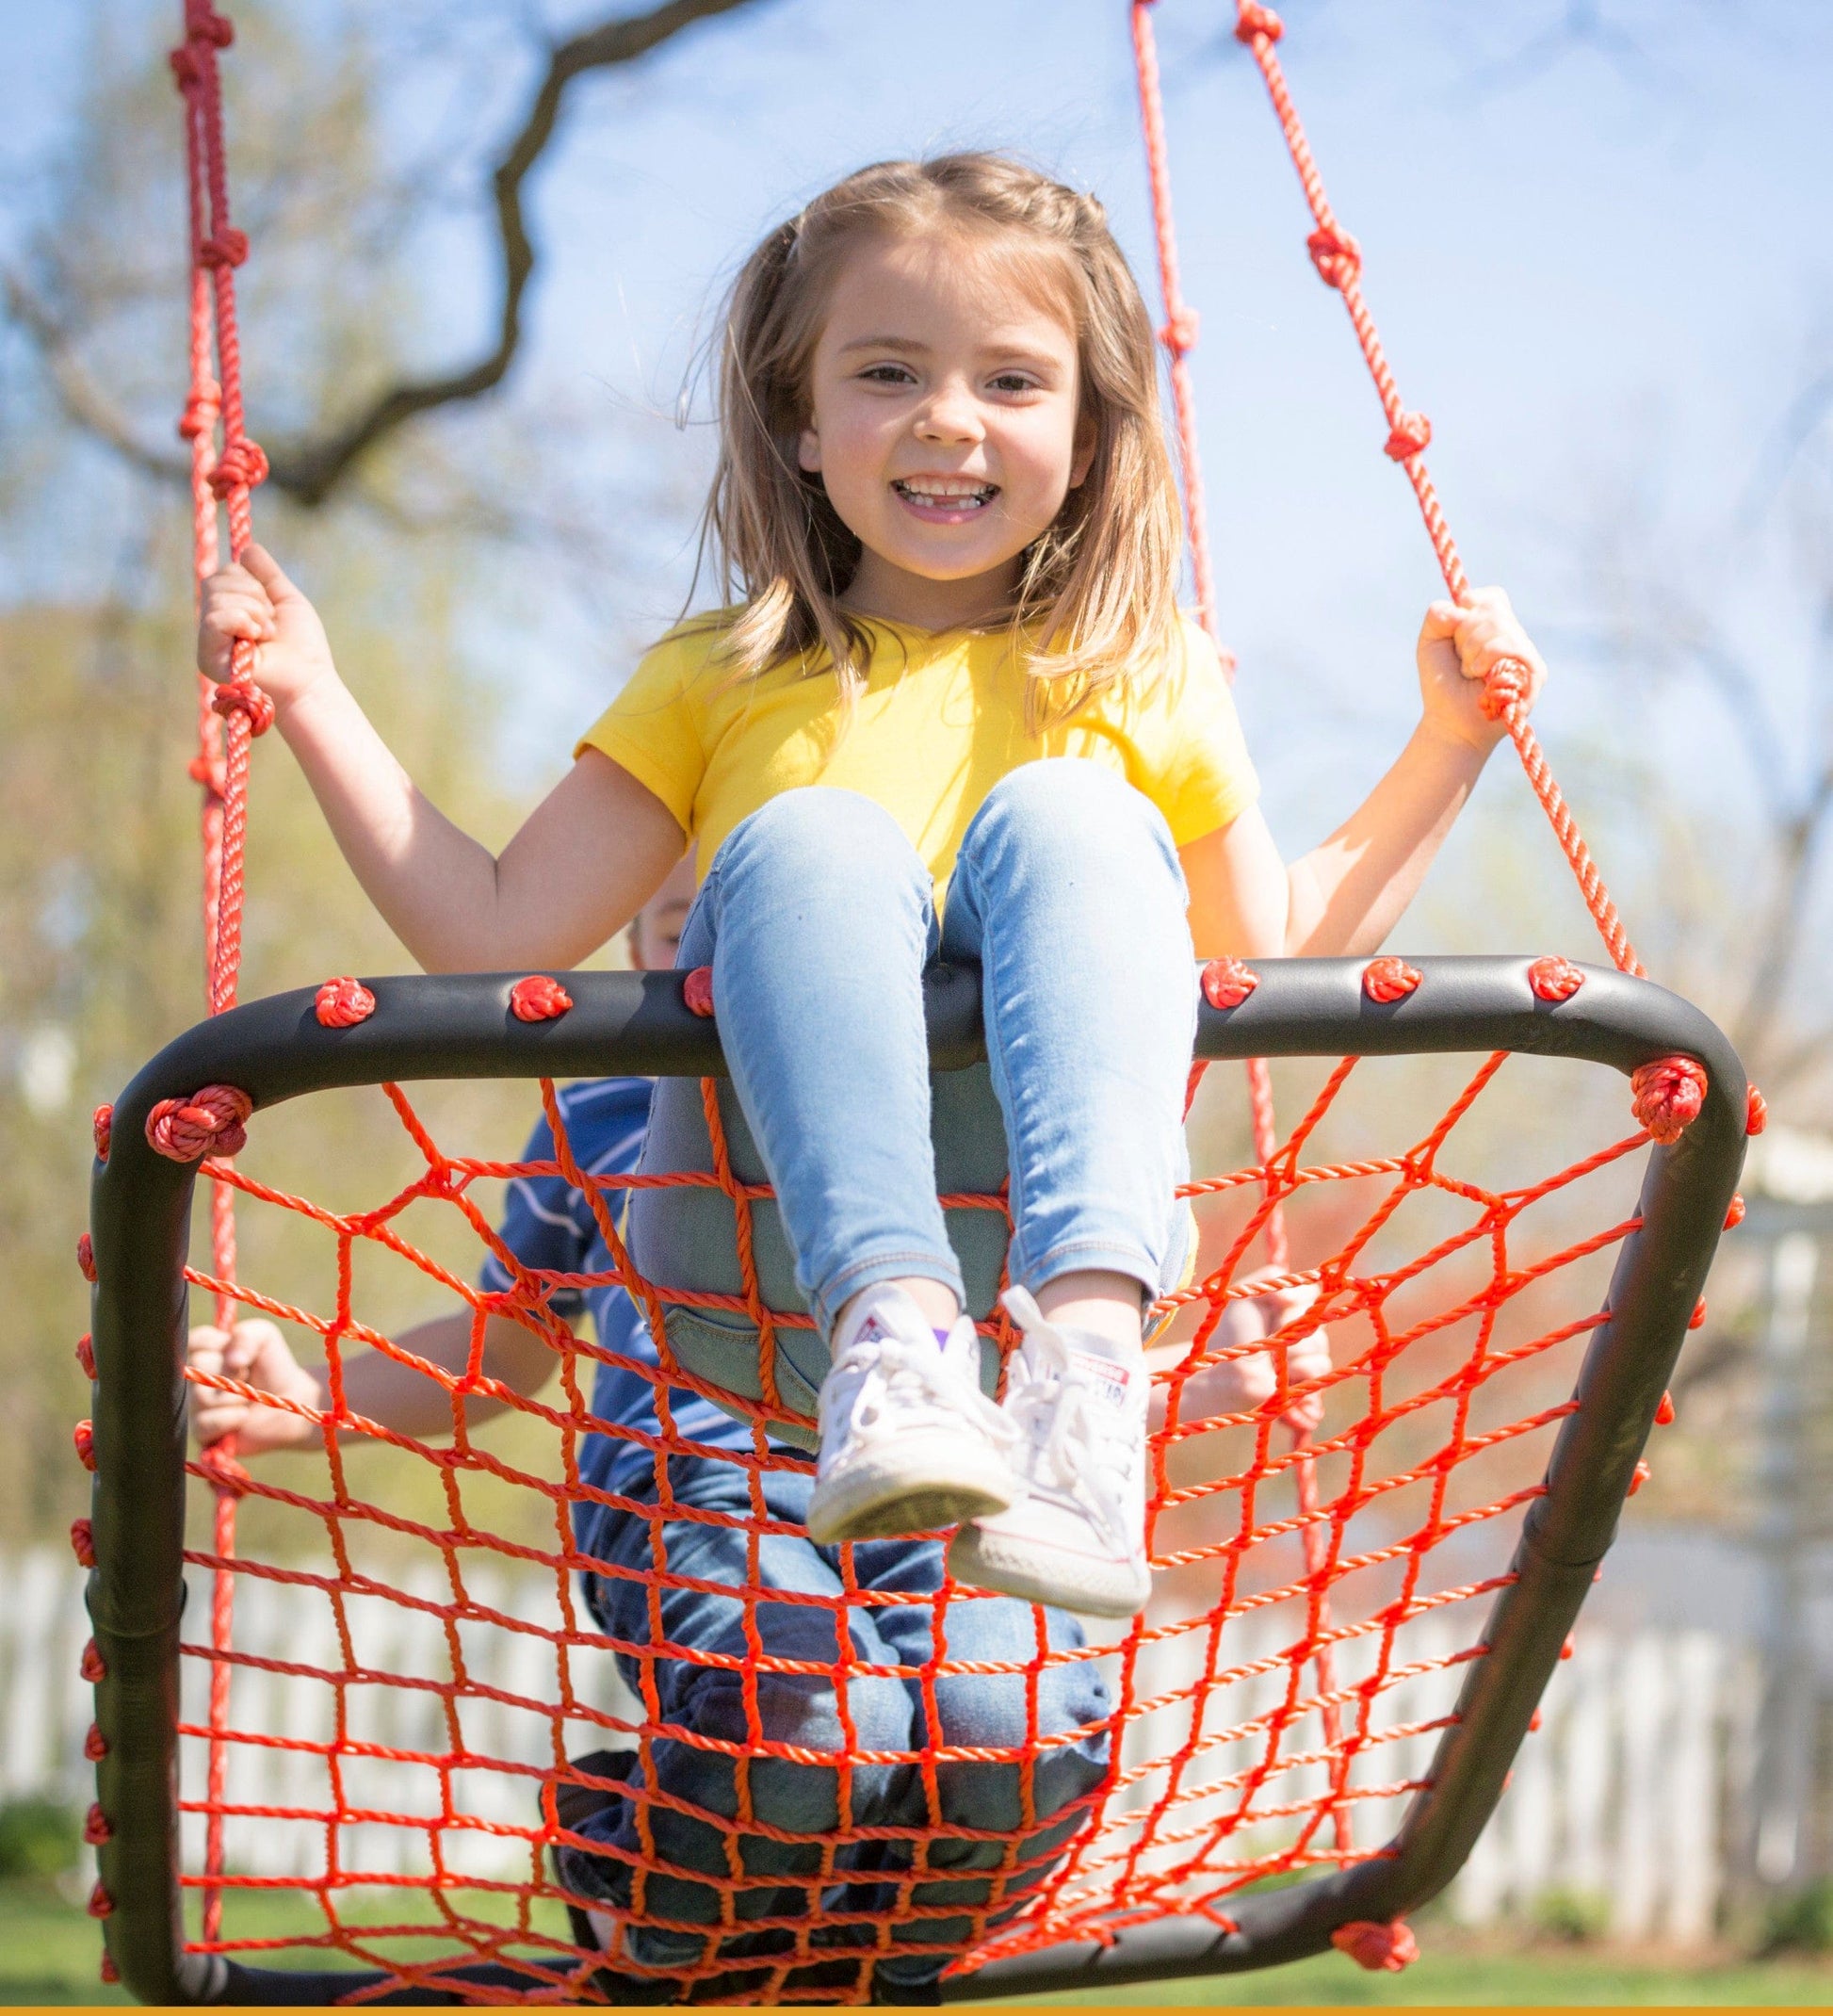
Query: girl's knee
point(1069, 787)
point(1070, 805)
point(817, 828)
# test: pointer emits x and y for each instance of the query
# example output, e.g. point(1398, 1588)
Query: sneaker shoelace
point(1079, 1446)
point(903, 1384)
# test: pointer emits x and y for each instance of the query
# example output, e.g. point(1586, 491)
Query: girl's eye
point(1014, 381)
point(888, 374)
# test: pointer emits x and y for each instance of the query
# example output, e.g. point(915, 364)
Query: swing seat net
point(386, 1670)
point(387, 1655)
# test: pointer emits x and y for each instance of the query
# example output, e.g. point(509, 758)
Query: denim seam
point(1133, 1260)
point(826, 1305)
point(990, 1028)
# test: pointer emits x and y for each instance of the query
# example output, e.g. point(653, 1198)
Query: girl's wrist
point(1448, 741)
point(296, 709)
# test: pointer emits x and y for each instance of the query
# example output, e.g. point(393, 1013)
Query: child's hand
point(1457, 647)
point(256, 1354)
point(255, 600)
point(1240, 1385)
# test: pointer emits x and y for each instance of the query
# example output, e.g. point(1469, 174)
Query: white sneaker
point(1078, 1536)
point(909, 1442)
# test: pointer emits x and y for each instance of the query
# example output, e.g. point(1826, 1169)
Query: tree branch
point(81, 398)
point(310, 471)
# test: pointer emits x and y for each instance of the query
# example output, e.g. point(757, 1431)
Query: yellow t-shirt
point(941, 718)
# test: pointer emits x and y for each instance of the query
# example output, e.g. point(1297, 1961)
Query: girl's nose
point(951, 416)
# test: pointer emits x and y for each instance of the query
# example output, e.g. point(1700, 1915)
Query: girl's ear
point(809, 450)
point(1088, 438)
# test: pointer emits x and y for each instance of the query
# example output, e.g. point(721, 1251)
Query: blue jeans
point(812, 1710)
point(817, 918)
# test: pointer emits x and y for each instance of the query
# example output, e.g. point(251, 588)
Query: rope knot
point(96, 1831)
point(1228, 982)
point(1381, 1948)
point(203, 24)
point(1336, 255)
point(202, 411)
point(697, 991)
point(1411, 436)
point(441, 1181)
point(222, 1470)
point(1668, 1096)
point(1554, 978)
point(242, 465)
point(101, 1904)
point(1756, 1110)
point(242, 697)
point(1505, 685)
point(538, 998)
point(228, 246)
point(86, 1258)
point(93, 1666)
point(186, 67)
point(95, 1745)
point(1178, 335)
point(83, 1435)
point(101, 1124)
point(1389, 980)
point(343, 1002)
point(1254, 20)
point(210, 1122)
point(85, 1355)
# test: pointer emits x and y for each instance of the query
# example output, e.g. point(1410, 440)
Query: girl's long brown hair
point(1097, 593)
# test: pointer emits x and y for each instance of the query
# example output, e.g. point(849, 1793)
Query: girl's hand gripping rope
point(255, 600)
point(1458, 650)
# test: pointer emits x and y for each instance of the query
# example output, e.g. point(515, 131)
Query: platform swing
point(1355, 1616)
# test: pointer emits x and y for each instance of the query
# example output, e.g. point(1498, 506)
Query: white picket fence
point(1623, 1794)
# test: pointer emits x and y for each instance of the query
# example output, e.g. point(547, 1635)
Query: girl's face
point(944, 425)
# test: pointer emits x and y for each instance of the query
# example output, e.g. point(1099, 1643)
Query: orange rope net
point(372, 1790)
point(1282, 1692)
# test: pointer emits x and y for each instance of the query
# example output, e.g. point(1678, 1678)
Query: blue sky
point(1594, 234)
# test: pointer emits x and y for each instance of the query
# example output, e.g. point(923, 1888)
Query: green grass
point(49, 1949)
point(1460, 1970)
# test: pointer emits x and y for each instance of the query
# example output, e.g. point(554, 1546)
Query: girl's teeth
point(973, 498)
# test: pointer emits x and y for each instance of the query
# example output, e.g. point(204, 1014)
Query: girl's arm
point(587, 859)
point(1345, 895)
point(377, 1385)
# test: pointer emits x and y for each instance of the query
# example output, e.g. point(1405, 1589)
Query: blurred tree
point(402, 533)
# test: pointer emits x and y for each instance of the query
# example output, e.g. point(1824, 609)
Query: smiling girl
point(952, 713)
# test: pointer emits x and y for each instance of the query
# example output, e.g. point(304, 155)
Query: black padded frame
point(461, 1025)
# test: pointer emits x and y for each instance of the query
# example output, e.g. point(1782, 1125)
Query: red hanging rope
point(229, 716)
point(1338, 260)
point(1179, 337)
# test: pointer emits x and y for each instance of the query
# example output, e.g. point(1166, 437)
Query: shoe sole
point(925, 1486)
point(1038, 1574)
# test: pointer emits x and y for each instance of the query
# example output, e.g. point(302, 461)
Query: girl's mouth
point(945, 500)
